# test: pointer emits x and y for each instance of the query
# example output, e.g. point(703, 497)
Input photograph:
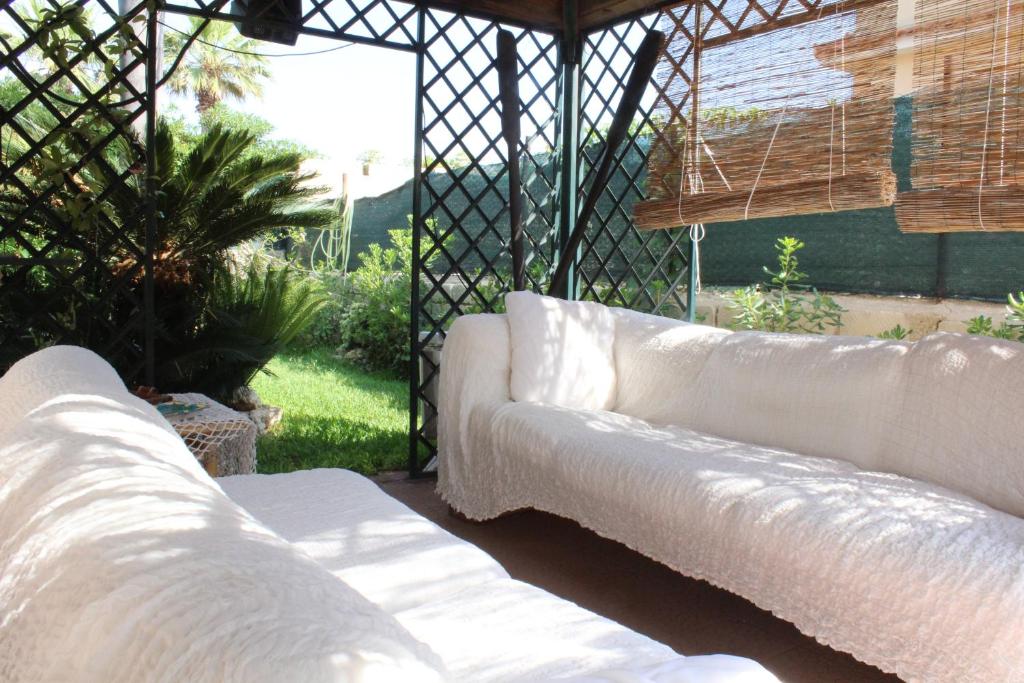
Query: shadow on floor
point(690, 616)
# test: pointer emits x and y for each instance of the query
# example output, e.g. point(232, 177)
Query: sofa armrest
point(475, 370)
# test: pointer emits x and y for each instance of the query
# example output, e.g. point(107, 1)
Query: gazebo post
point(694, 134)
point(153, 65)
point(569, 118)
point(415, 303)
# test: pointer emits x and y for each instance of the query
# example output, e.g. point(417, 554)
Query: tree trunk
point(137, 76)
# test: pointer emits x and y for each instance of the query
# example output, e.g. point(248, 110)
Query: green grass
point(335, 415)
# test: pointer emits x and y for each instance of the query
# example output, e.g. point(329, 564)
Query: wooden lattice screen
point(790, 116)
point(73, 105)
point(968, 118)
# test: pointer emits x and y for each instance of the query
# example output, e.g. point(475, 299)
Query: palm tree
point(223, 65)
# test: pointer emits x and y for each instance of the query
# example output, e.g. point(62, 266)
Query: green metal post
point(569, 134)
point(694, 139)
point(691, 291)
point(148, 292)
point(415, 469)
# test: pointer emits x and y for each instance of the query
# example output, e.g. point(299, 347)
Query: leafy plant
point(725, 116)
point(188, 131)
point(376, 320)
point(1012, 327)
point(370, 156)
point(983, 326)
point(210, 196)
point(897, 332)
point(252, 316)
point(784, 303)
point(325, 328)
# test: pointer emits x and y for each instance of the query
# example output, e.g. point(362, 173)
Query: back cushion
point(960, 423)
point(562, 351)
point(816, 395)
point(49, 372)
point(121, 560)
point(657, 362)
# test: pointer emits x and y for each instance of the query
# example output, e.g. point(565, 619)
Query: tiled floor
point(608, 578)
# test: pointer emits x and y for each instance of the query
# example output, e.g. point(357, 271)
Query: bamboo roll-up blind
point(791, 120)
point(968, 118)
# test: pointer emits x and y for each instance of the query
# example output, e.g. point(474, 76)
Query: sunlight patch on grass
point(335, 415)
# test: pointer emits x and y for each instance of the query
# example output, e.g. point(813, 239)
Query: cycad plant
point(215, 194)
point(252, 315)
point(215, 334)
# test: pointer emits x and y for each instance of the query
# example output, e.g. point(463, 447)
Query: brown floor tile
point(691, 616)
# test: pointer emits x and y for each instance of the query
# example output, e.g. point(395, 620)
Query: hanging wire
point(256, 54)
point(988, 112)
point(192, 38)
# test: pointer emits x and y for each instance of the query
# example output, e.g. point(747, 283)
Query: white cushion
point(914, 578)
point(657, 362)
point(485, 633)
point(960, 421)
point(829, 396)
point(562, 351)
point(121, 560)
point(41, 375)
point(374, 543)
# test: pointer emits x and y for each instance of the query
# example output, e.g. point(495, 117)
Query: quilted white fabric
point(474, 371)
point(483, 632)
point(960, 421)
point(561, 351)
point(830, 396)
point(454, 597)
point(42, 375)
point(121, 560)
point(657, 362)
point(702, 669)
point(374, 543)
point(912, 577)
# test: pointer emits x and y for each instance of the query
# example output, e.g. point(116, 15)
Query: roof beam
point(540, 14)
point(600, 13)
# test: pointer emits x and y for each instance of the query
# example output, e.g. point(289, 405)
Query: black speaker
point(276, 21)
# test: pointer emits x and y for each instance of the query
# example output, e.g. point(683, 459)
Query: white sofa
point(121, 560)
point(870, 492)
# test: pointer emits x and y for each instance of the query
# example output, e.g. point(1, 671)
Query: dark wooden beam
point(596, 14)
point(540, 14)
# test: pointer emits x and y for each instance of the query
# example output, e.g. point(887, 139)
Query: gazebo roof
point(549, 15)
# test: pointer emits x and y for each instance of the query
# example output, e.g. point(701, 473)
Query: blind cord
point(988, 111)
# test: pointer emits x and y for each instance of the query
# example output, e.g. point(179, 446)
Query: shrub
point(784, 303)
point(253, 315)
point(375, 319)
point(325, 328)
point(896, 332)
point(213, 194)
point(1012, 326)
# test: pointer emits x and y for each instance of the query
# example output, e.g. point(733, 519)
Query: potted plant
point(368, 159)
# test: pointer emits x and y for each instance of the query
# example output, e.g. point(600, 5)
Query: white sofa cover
point(121, 560)
point(868, 491)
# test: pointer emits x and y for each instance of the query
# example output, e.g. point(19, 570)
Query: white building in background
point(384, 176)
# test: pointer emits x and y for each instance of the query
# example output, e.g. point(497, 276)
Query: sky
point(341, 103)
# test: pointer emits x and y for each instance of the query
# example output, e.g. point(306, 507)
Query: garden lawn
point(335, 415)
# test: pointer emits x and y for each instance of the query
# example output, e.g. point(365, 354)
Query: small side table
point(223, 440)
